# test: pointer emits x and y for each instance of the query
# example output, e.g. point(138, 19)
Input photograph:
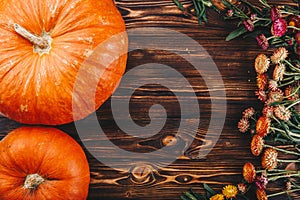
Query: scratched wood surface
point(165, 175)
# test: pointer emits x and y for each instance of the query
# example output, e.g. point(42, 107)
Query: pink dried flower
point(262, 41)
point(242, 187)
point(272, 85)
point(248, 25)
point(261, 95)
point(279, 27)
point(229, 13)
point(243, 125)
point(276, 95)
point(249, 112)
point(261, 181)
point(253, 16)
point(282, 113)
point(278, 72)
point(268, 111)
point(275, 13)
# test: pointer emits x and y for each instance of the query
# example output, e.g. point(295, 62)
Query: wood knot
point(184, 178)
point(142, 174)
point(169, 140)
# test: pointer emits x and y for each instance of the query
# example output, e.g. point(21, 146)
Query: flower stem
point(288, 161)
point(283, 192)
point(283, 150)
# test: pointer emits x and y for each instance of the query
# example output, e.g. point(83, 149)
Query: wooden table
point(135, 179)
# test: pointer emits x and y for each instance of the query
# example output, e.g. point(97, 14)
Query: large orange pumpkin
point(43, 44)
point(38, 163)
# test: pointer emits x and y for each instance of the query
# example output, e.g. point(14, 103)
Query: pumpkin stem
point(33, 181)
point(42, 44)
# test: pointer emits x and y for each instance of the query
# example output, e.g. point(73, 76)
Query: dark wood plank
point(158, 180)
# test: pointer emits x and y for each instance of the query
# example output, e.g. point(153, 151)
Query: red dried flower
point(262, 80)
point(248, 23)
point(275, 13)
point(269, 159)
point(261, 95)
point(257, 145)
point(249, 172)
point(262, 41)
point(279, 27)
point(297, 37)
point(243, 125)
point(289, 93)
point(263, 125)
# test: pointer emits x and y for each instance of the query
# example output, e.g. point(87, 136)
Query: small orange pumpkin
point(43, 45)
point(42, 163)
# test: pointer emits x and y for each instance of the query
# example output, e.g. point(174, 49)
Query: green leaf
point(190, 196)
point(236, 33)
point(179, 5)
point(209, 189)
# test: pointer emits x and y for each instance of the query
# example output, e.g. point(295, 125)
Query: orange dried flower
point(262, 63)
point(257, 145)
point(269, 159)
point(261, 194)
point(279, 55)
point(249, 172)
point(217, 197)
point(262, 80)
point(263, 125)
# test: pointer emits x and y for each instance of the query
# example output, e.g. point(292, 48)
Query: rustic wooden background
point(223, 164)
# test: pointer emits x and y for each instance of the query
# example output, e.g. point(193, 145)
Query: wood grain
point(161, 180)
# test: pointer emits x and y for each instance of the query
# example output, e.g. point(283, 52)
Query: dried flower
point(262, 63)
point(289, 93)
point(257, 144)
point(249, 172)
point(275, 13)
point(261, 95)
point(268, 111)
point(294, 20)
point(297, 38)
point(269, 159)
point(279, 27)
point(288, 185)
point(249, 112)
point(230, 191)
point(263, 126)
point(272, 85)
point(248, 23)
point(262, 41)
point(242, 188)
point(282, 113)
point(278, 72)
point(253, 16)
point(243, 125)
point(229, 13)
point(261, 194)
point(217, 197)
point(275, 96)
point(261, 181)
point(262, 80)
point(279, 55)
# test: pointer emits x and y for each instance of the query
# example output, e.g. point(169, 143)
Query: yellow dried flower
point(217, 197)
point(230, 191)
point(262, 63)
point(279, 55)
